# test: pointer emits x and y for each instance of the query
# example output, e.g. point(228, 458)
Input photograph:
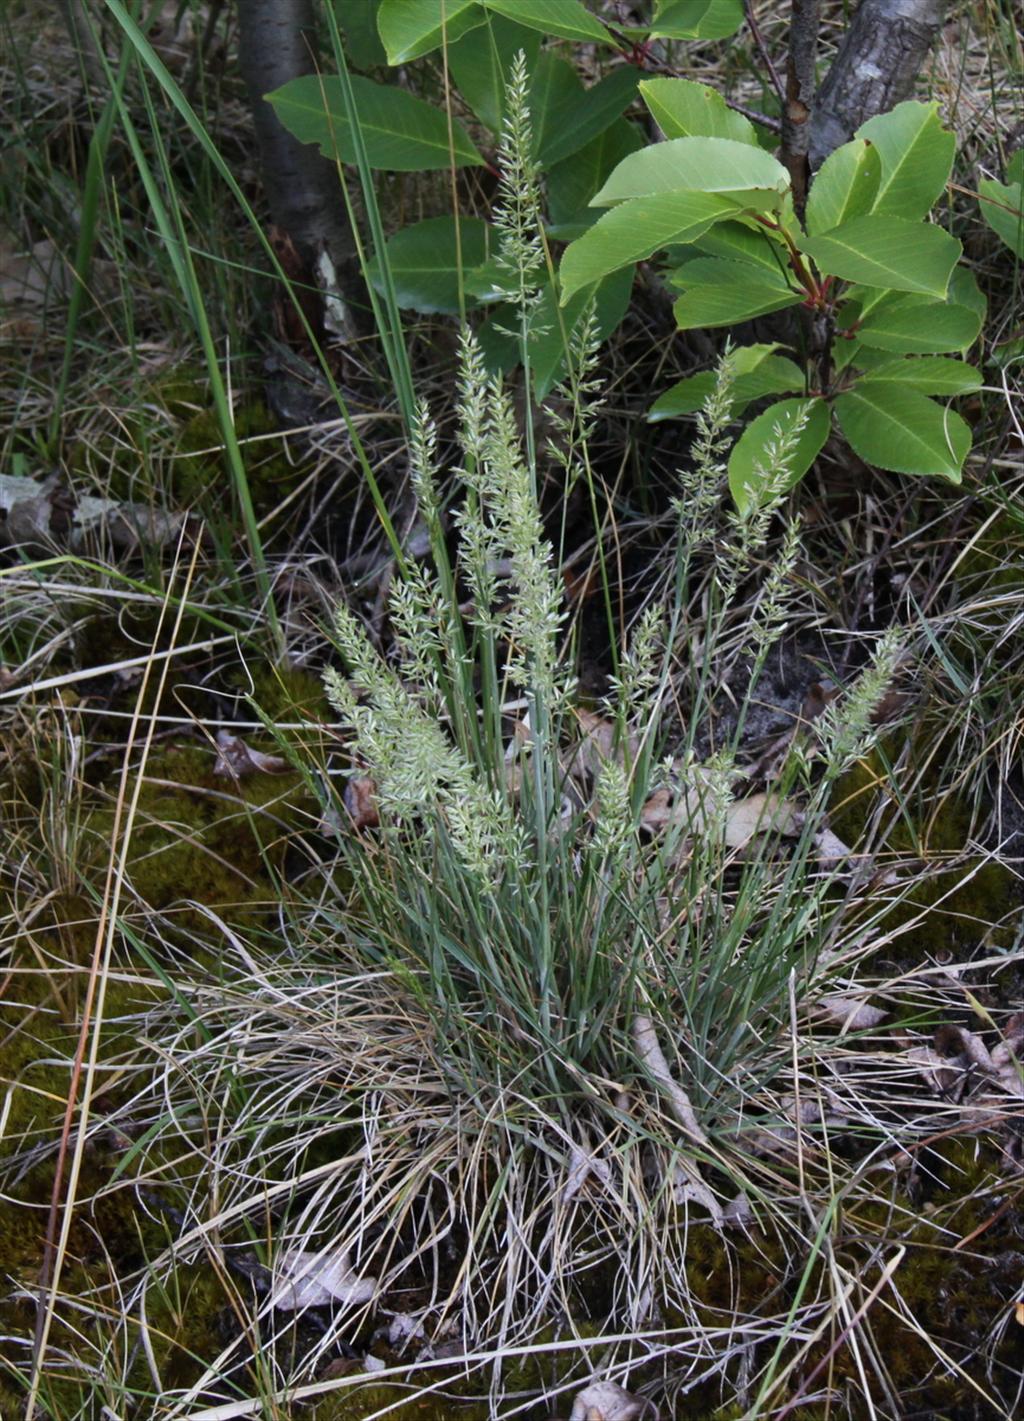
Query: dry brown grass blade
point(83, 1070)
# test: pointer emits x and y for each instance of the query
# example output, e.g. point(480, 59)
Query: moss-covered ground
point(203, 841)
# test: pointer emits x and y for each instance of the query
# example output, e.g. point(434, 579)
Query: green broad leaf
point(746, 359)
point(714, 304)
point(894, 427)
point(749, 244)
point(636, 230)
point(721, 19)
point(860, 301)
point(696, 270)
point(751, 471)
point(867, 359)
point(554, 325)
point(683, 109)
point(759, 372)
point(913, 325)
point(1008, 353)
point(564, 19)
point(886, 251)
point(1003, 210)
point(698, 19)
point(844, 187)
point(574, 118)
point(411, 28)
point(847, 353)
point(965, 291)
point(928, 375)
point(720, 293)
point(498, 345)
point(916, 154)
point(678, 19)
point(1015, 168)
point(490, 282)
point(551, 329)
point(572, 183)
point(554, 86)
point(705, 165)
point(359, 26)
point(400, 131)
point(480, 63)
point(428, 259)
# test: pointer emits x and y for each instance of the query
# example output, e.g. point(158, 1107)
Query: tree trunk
point(879, 60)
point(798, 109)
point(277, 43)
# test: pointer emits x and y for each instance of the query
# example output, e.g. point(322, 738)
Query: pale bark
point(303, 193)
point(878, 63)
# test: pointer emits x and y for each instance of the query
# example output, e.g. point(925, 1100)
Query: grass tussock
point(477, 915)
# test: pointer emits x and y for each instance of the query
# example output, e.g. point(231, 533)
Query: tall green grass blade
point(88, 230)
point(389, 320)
point(172, 90)
point(171, 225)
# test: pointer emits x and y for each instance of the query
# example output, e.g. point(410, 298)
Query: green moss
point(201, 469)
point(726, 1276)
point(370, 1399)
point(993, 559)
point(736, 1412)
point(289, 694)
point(461, 1396)
point(957, 1281)
point(966, 899)
point(110, 1241)
point(183, 392)
point(185, 1317)
point(38, 1037)
point(199, 836)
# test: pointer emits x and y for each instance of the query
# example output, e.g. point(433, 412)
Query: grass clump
point(581, 1031)
point(562, 1020)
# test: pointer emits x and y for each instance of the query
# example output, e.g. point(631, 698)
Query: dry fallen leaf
point(32, 278)
point(652, 1057)
point(360, 800)
point(404, 1327)
point(777, 1140)
point(738, 1213)
point(976, 1052)
point(962, 1068)
point(32, 281)
point(598, 744)
point(1007, 1056)
point(656, 814)
point(940, 1075)
point(745, 818)
point(236, 759)
point(314, 1280)
point(607, 1401)
point(850, 1012)
point(760, 814)
point(688, 1183)
point(43, 513)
